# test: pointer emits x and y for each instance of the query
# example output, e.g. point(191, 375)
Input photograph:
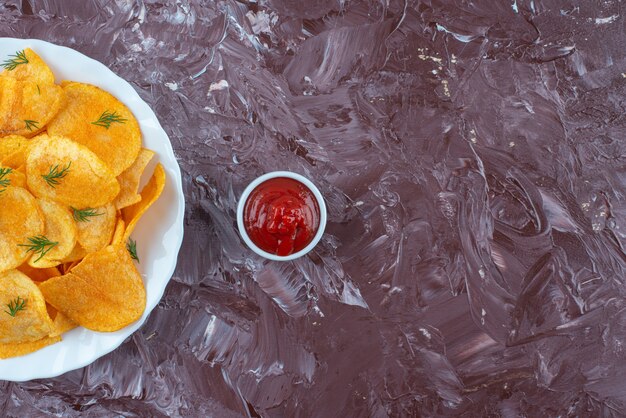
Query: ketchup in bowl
point(281, 216)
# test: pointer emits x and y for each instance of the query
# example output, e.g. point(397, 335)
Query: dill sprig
point(18, 59)
point(38, 90)
point(107, 118)
point(15, 306)
point(131, 246)
point(5, 182)
point(39, 245)
point(30, 124)
point(53, 176)
point(83, 215)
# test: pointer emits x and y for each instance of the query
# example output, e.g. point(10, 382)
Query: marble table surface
point(472, 155)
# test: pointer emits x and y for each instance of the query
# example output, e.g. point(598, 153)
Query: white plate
point(159, 233)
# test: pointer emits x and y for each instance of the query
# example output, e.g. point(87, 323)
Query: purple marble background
point(473, 158)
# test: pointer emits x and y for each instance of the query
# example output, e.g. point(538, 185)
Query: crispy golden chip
point(102, 293)
point(24, 317)
point(11, 177)
point(62, 324)
point(34, 106)
point(39, 275)
point(118, 235)
point(21, 218)
point(77, 254)
point(10, 144)
point(130, 178)
point(21, 349)
point(95, 226)
point(17, 159)
point(60, 230)
point(149, 195)
point(102, 123)
point(8, 98)
point(30, 67)
point(62, 170)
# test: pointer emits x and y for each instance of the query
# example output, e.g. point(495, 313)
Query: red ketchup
point(281, 216)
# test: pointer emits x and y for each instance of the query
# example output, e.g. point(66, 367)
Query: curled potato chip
point(34, 106)
point(62, 324)
point(31, 68)
point(21, 349)
point(130, 178)
point(62, 170)
point(10, 144)
point(17, 159)
point(102, 293)
point(28, 323)
point(77, 254)
point(118, 234)
point(37, 274)
point(21, 219)
point(102, 123)
point(11, 177)
point(60, 229)
point(149, 195)
point(95, 226)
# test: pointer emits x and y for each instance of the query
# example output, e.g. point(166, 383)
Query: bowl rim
point(279, 174)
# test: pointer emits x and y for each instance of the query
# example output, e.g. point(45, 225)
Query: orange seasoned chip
point(102, 123)
point(95, 226)
point(102, 293)
point(37, 274)
point(26, 65)
point(118, 234)
point(24, 317)
point(130, 178)
point(62, 170)
point(149, 195)
point(33, 107)
point(21, 219)
point(59, 231)
point(77, 254)
point(21, 349)
point(62, 324)
point(8, 98)
point(10, 144)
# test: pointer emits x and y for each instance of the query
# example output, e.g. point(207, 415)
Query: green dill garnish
point(107, 118)
point(52, 178)
point(38, 90)
point(83, 215)
point(15, 306)
point(11, 63)
point(30, 124)
point(39, 245)
point(5, 182)
point(131, 246)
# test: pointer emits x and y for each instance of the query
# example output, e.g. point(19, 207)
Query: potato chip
point(39, 275)
point(102, 123)
point(118, 234)
point(28, 66)
point(62, 170)
point(62, 324)
point(11, 177)
point(21, 219)
point(8, 97)
point(34, 106)
point(24, 317)
point(21, 349)
point(17, 159)
point(60, 230)
point(130, 178)
point(77, 254)
point(149, 195)
point(95, 226)
point(102, 293)
point(10, 144)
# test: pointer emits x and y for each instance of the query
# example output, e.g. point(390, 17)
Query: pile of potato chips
point(71, 163)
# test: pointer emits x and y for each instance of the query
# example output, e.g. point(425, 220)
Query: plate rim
point(177, 226)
